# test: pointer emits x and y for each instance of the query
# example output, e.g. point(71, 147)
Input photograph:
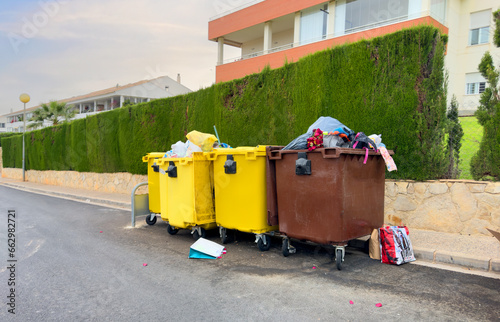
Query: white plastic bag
point(179, 149)
point(191, 147)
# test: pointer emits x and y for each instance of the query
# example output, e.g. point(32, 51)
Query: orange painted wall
point(256, 14)
point(249, 66)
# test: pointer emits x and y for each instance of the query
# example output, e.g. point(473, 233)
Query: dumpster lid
point(152, 155)
point(327, 153)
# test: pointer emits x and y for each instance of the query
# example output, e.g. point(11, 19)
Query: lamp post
point(25, 98)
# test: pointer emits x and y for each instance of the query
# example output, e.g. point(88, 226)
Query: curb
point(435, 256)
point(70, 196)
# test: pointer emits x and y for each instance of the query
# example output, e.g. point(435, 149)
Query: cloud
point(85, 46)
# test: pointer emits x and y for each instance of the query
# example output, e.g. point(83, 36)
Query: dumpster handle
point(133, 201)
point(250, 155)
point(327, 155)
point(275, 155)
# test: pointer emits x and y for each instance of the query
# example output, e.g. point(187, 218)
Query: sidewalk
point(469, 252)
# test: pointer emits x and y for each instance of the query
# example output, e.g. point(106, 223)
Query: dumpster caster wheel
point(285, 247)
point(171, 230)
point(197, 235)
point(223, 235)
point(339, 258)
point(150, 221)
point(264, 243)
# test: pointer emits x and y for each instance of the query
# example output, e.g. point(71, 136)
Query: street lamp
point(25, 98)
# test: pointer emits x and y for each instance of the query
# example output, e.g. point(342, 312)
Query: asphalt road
point(68, 270)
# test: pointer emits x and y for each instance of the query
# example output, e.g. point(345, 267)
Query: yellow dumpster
point(240, 192)
point(153, 184)
point(189, 194)
point(163, 168)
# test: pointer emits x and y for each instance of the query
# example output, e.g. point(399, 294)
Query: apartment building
point(268, 32)
point(104, 100)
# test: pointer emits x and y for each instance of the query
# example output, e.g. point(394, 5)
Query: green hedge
point(7, 134)
point(392, 85)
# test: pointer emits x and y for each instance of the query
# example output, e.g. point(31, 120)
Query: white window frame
point(483, 36)
point(475, 88)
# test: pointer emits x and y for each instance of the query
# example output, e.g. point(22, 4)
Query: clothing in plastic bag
point(395, 245)
point(325, 124)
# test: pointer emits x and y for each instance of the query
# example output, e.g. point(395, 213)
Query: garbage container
point(328, 196)
point(240, 192)
point(153, 184)
point(189, 194)
point(163, 167)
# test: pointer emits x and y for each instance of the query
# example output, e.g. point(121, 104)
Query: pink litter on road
point(144, 264)
point(224, 251)
point(101, 231)
point(351, 302)
point(314, 267)
point(378, 305)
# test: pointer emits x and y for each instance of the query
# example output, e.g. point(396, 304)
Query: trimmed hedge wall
point(7, 134)
point(392, 85)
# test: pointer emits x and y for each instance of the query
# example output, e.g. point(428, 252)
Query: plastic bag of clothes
point(395, 245)
point(325, 124)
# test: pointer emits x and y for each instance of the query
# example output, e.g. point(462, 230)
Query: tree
point(455, 134)
point(53, 111)
point(486, 162)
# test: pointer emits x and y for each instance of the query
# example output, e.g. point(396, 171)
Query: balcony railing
point(345, 32)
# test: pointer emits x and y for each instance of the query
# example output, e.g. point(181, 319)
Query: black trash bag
point(362, 141)
point(300, 143)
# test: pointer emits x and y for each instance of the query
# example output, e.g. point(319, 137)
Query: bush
point(391, 85)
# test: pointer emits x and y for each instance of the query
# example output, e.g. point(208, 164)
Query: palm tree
point(53, 111)
point(37, 119)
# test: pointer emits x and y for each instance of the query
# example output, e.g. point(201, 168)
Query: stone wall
point(453, 206)
point(105, 182)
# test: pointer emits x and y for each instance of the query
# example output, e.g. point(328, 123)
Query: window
point(474, 83)
point(479, 36)
point(475, 88)
point(479, 27)
point(372, 13)
point(2, 125)
point(313, 24)
point(438, 10)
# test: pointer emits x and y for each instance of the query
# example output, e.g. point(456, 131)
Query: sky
point(56, 49)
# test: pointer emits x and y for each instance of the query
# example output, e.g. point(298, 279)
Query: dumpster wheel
point(199, 232)
point(151, 219)
point(264, 242)
point(285, 247)
point(339, 257)
point(223, 235)
point(171, 230)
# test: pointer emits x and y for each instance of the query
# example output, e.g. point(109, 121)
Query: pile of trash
point(328, 132)
point(196, 142)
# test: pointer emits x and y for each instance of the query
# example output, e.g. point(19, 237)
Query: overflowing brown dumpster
point(327, 196)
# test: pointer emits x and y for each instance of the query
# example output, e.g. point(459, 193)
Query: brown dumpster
point(328, 196)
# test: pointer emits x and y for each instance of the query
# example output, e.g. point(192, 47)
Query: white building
point(270, 32)
point(104, 100)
